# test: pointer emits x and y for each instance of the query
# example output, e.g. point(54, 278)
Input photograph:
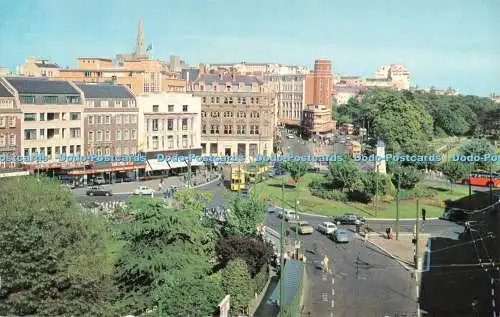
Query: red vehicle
point(483, 179)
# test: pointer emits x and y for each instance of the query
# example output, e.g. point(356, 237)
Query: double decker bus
point(482, 178)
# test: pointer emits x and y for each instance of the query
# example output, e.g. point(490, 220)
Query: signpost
point(224, 307)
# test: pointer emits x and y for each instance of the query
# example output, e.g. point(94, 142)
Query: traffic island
point(401, 250)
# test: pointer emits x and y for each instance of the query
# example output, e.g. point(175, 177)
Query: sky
point(443, 43)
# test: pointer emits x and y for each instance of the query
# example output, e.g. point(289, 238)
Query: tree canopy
point(297, 169)
point(345, 175)
point(54, 259)
point(454, 171)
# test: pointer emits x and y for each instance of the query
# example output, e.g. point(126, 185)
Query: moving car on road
point(339, 236)
point(144, 190)
point(304, 227)
point(348, 219)
point(289, 215)
point(98, 191)
point(327, 227)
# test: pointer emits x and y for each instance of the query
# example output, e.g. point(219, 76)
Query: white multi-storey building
point(290, 95)
point(169, 124)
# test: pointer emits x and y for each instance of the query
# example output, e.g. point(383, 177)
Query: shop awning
point(107, 170)
point(177, 164)
point(154, 165)
point(197, 163)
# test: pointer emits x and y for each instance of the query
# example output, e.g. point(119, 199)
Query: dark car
point(348, 219)
point(98, 191)
point(455, 215)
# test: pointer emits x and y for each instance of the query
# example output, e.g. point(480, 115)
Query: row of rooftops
point(224, 79)
point(44, 86)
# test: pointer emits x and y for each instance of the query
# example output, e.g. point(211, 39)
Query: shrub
point(417, 192)
point(261, 279)
point(328, 194)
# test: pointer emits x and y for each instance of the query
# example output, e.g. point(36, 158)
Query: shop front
point(169, 163)
point(60, 170)
point(110, 172)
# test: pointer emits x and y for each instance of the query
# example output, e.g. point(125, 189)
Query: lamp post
point(376, 186)
point(282, 249)
point(397, 205)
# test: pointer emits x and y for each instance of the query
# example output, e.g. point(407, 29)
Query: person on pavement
point(424, 212)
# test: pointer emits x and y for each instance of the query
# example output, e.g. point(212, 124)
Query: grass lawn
point(311, 204)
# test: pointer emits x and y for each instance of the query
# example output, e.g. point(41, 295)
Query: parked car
point(98, 191)
point(99, 180)
point(339, 236)
point(348, 219)
point(290, 136)
point(126, 179)
point(144, 190)
point(289, 215)
point(327, 227)
point(305, 227)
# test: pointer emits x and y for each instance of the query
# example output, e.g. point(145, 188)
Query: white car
point(144, 190)
point(290, 136)
point(327, 227)
point(289, 215)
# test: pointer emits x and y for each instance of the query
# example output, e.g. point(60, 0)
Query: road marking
point(333, 303)
point(324, 297)
point(333, 292)
point(331, 314)
point(325, 277)
point(333, 281)
point(362, 278)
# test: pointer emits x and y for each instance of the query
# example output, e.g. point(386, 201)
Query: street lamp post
point(397, 205)
point(282, 248)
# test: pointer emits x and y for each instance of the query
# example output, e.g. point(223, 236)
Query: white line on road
point(333, 303)
point(333, 281)
point(324, 297)
point(325, 277)
point(331, 314)
point(333, 292)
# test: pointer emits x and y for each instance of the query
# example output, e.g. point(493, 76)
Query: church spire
point(139, 45)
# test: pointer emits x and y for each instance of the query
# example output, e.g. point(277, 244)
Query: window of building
point(170, 142)
point(214, 114)
point(30, 134)
point(30, 117)
point(74, 116)
point(3, 140)
point(170, 108)
point(49, 100)
point(108, 135)
point(27, 100)
point(73, 100)
point(214, 129)
point(184, 108)
point(155, 124)
point(254, 114)
point(203, 129)
point(91, 136)
point(2, 122)
point(118, 119)
point(99, 136)
point(228, 114)
point(184, 141)
point(241, 129)
point(119, 103)
point(133, 134)
point(156, 108)
point(131, 103)
point(243, 101)
point(125, 135)
point(256, 100)
point(90, 103)
point(155, 142)
point(204, 99)
point(230, 100)
point(228, 129)
point(170, 124)
point(252, 100)
point(97, 119)
point(226, 100)
point(133, 119)
point(241, 114)
point(125, 119)
point(203, 148)
point(203, 114)
point(118, 150)
point(99, 150)
point(107, 151)
point(12, 140)
point(74, 132)
point(107, 119)
point(118, 135)
point(184, 124)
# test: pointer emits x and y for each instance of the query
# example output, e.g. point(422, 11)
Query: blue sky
point(442, 42)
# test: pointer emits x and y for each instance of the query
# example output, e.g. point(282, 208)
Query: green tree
point(297, 169)
point(54, 259)
point(245, 215)
point(374, 184)
point(479, 148)
point(189, 295)
point(193, 199)
point(159, 240)
point(402, 122)
point(406, 176)
point(454, 171)
point(345, 175)
point(237, 283)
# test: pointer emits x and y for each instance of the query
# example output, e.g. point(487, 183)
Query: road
point(364, 282)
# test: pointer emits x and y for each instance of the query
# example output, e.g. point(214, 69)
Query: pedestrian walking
point(424, 212)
